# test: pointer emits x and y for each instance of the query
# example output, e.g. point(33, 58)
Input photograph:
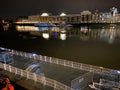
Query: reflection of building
point(27, 28)
point(63, 34)
point(45, 35)
point(108, 34)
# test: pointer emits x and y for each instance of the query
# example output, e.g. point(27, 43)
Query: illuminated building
point(83, 17)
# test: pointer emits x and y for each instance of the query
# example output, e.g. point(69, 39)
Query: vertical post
point(45, 58)
point(35, 78)
point(72, 64)
point(34, 57)
point(54, 85)
point(81, 66)
point(27, 75)
point(4, 59)
point(50, 59)
point(101, 71)
point(21, 72)
point(12, 52)
point(25, 54)
point(90, 68)
point(16, 53)
point(15, 70)
point(64, 63)
point(30, 55)
point(43, 79)
point(57, 61)
point(10, 68)
point(4, 66)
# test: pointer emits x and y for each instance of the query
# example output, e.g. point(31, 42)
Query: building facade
point(84, 17)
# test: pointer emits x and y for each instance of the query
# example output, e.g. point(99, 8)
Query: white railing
point(38, 78)
point(76, 65)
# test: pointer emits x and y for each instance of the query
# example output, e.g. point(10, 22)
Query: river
point(97, 45)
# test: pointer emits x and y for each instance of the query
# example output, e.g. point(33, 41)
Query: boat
point(46, 24)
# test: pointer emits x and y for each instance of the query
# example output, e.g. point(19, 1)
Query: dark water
point(95, 45)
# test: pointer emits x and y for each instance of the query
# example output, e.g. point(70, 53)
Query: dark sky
point(15, 8)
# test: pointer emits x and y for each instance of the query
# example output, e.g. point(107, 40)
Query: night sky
point(13, 8)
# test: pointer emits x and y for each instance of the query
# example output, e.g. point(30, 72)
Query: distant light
point(34, 54)
point(62, 14)
point(2, 48)
point(44, 14)
point(118, 72)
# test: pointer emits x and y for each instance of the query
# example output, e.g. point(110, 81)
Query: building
point(83, 17)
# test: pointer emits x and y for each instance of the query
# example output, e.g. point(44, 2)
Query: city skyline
point(12, 9)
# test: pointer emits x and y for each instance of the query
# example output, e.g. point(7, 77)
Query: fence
point(82, 82)
point(38, 78)
point(76, 65)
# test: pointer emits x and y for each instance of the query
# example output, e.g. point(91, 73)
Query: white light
point(45, 35)
point(2, 48)
point(27, 28)
point(63, 36)
point(118, 72)
point(62, 14)
point(34, 54)
point(44, 14)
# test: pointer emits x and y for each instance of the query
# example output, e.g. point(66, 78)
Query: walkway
point(57, 72)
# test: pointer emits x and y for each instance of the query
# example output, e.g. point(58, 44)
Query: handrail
point(76, 65)
point(72, 64)
point(38, 78)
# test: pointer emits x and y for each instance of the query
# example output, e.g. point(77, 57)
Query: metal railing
point(76, 65)
point(53, 83)
point(38, 78)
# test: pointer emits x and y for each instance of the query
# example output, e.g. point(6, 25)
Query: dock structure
point(56, 73)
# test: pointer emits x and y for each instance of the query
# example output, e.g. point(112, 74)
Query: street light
point(34, 54)
point(118, 72)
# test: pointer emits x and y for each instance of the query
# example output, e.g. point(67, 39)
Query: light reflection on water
point(85, 33)
point(85, 44)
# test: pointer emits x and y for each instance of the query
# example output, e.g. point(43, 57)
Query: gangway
point(105, 84)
